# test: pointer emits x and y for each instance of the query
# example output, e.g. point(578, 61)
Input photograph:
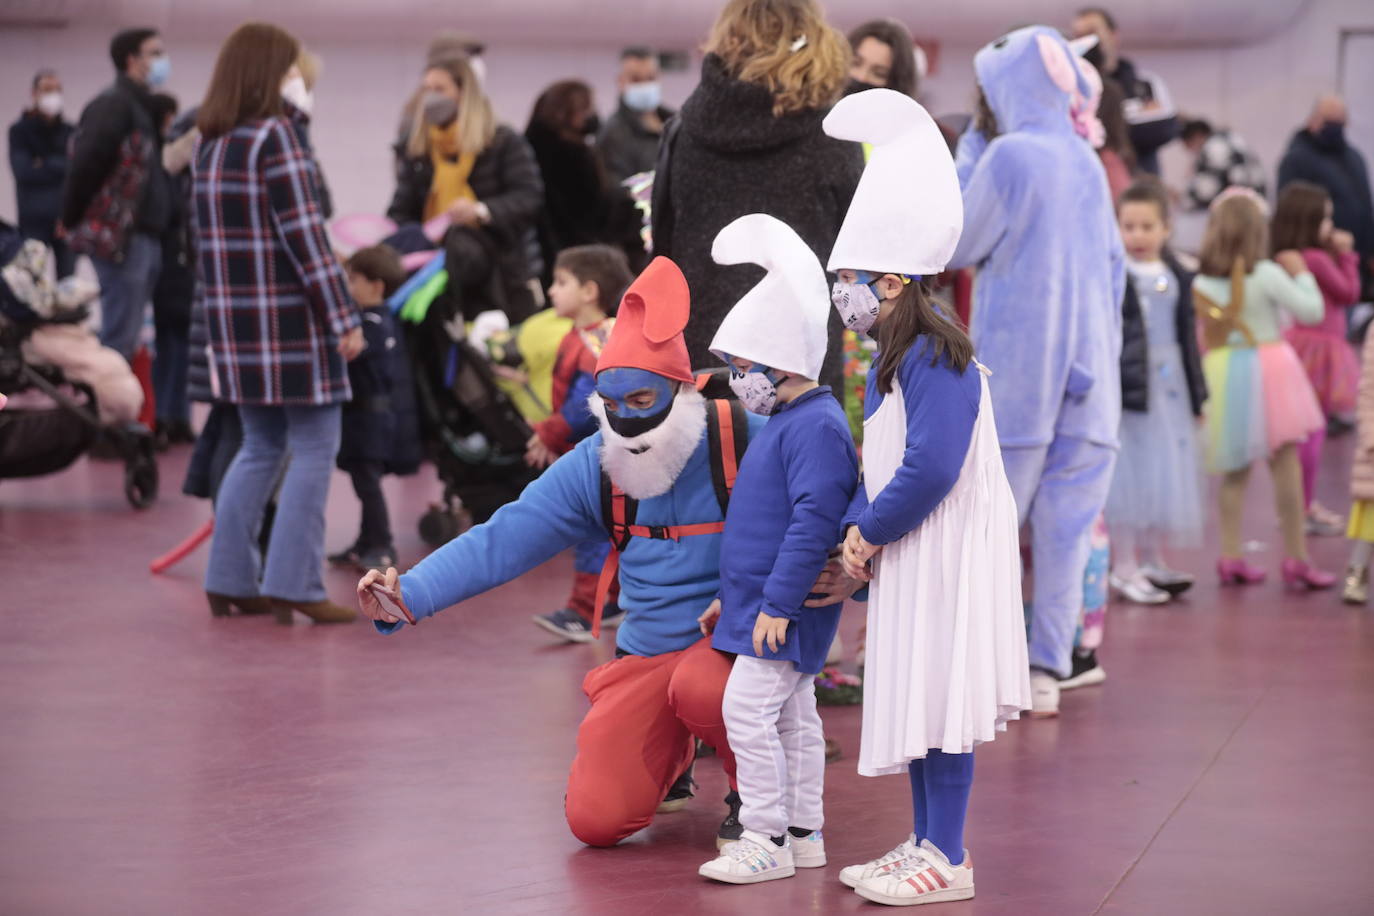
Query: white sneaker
point(1169, 580)
point(750, 859)
point(807, 851)
point(1138, 589)
point(850, 876)
point(1044, 694)
point(926, 878)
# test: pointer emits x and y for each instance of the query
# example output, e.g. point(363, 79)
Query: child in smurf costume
point(934, 524)
point(1040, 227)
point(795, 484)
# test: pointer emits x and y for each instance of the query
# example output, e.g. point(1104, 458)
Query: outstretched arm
point(985, 216)
point(558, 510)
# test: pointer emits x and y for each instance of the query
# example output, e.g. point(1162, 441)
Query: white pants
point(775, 732)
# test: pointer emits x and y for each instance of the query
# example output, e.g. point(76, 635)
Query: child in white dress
point(934, 523)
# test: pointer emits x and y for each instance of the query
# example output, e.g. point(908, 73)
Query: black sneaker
point(1085, 673)
point(730, 828)
point(346, 557)
point(679, 794)
point(378, 559)
point(565, 623)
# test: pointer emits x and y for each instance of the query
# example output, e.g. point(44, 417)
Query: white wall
point(1263, 91)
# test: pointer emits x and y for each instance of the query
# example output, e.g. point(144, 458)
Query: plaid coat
point(276, 301)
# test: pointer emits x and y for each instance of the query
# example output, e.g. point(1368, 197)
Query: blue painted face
point(636, 400)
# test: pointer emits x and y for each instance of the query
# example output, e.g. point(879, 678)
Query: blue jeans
point(170, 367)
point(1060, 489)
point(126, 288)
point(303, 441)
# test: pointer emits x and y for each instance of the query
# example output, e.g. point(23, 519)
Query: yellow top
point(451, 170)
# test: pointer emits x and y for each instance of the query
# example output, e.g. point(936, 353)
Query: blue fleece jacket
point(794, 486)
point(1039, 225)
point(941, 408)
point(664, 585)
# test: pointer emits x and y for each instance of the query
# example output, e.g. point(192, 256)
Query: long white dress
point(946, 646)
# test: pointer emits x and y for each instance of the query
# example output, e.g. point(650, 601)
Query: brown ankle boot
point(221, 605)
point(323, 611)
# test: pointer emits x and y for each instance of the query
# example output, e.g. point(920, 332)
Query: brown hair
point(246, 85)
point(902, 77)
point(984, 118)
point(1147, 189)
point(476, 122)
point(1298, 217)
point(755, 38)
point(1235, 229)
point(603, 265)
point(912, 315)
point(559, 104)
point(379, 262)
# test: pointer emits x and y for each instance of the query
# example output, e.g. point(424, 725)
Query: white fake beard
point(648, 465)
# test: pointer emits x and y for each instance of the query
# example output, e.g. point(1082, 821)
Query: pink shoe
point(1239, 572)
point(1301, 576)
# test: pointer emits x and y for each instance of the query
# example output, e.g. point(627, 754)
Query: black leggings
point(375, 531)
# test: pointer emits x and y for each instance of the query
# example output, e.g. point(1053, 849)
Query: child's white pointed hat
point(907, 213)
point(781, 322)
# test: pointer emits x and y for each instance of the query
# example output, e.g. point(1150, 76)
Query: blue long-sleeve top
point(941, 408)
point(794, 486)
point(664, 585)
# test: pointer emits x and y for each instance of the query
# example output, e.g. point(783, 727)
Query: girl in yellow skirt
point(1261, 403)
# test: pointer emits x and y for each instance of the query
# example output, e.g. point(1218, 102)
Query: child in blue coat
point(794, 486)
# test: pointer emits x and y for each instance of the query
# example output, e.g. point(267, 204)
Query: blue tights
point(940, 785)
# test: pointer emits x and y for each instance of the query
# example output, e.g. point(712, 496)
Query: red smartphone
point(391, 602)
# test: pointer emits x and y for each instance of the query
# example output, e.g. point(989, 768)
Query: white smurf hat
point(781, 322)
point(907, 213)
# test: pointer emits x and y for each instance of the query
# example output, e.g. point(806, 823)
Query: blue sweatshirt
point(941, 408)
point(664, 585)
point(794, 485)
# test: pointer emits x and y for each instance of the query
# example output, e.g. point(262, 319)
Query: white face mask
point(857, 304)
point(50, 104)
point(294, 91)
point(755, 391)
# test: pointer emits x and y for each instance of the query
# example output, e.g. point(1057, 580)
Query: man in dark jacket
point(117, 202)
point(629, 142)
point(1320, 154)
point(1149, 110)
point(38, 158)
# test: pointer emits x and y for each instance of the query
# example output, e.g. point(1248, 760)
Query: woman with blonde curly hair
point(749, 140)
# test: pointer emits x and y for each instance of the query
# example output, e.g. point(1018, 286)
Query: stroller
point(51, 422)
point(471, 430)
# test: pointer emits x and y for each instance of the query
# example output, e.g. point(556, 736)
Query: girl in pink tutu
point(1302, 222)
point(1261, 404)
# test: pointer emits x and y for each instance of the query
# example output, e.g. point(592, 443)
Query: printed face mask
point(857, 304)
point(755, 391)
point(440, 110)
point(615, 385)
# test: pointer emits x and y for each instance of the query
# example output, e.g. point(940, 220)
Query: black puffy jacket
point(1135, 345)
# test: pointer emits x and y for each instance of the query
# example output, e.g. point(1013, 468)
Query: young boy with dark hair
point(587, 284)
point(369, 444)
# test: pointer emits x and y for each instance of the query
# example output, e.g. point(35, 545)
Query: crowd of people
point(805, 228)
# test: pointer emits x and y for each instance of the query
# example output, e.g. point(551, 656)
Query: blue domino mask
point(615, 385)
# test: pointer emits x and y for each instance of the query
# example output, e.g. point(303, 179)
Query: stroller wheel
point(438, 526)
point(140, 473)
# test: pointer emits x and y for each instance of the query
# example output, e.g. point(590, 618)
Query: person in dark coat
point(38, 158)
point(458, 161)
point(576, 193)
point(1320, 153)
point(281, 325)
point(745, 148)
point(629, 142)
point(117, 200)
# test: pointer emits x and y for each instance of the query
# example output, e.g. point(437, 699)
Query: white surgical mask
point(643, 96)
point(857, 304)
point(755, 391)
point(50, 104)
point(294, 91)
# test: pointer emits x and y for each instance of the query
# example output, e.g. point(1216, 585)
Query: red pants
point(638, 737)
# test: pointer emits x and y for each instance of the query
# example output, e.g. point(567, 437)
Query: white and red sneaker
point(850, 876)
point(925, 878)
point(750, 859)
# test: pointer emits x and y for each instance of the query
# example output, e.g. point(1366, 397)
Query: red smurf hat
point(648, 328)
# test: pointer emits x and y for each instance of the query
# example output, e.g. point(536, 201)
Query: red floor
point(154, 760)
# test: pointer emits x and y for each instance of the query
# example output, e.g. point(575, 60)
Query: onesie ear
point(1057, 63)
